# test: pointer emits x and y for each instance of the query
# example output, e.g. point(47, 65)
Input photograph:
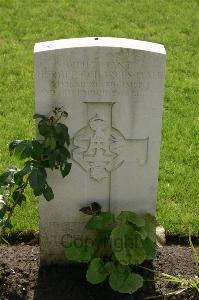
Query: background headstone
point(113, 91)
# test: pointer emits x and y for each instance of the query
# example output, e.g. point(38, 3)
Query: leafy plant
point(50, 151)
point(120, 243)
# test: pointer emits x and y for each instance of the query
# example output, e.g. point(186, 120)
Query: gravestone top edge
point(99, 42)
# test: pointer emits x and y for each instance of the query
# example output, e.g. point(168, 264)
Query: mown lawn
point(173, 23)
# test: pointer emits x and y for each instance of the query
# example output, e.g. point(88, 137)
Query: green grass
point(172, 23)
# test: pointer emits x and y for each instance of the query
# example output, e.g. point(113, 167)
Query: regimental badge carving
point(98, 148)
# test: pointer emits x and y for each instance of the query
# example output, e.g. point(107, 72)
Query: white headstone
point(113, 91)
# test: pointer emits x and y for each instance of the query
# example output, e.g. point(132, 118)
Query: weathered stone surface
point(113, 91)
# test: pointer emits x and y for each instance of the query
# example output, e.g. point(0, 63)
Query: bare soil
point(21, 277)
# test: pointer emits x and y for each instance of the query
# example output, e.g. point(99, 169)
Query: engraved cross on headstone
point(99, 148)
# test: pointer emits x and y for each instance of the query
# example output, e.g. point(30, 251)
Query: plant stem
point(11, 211)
